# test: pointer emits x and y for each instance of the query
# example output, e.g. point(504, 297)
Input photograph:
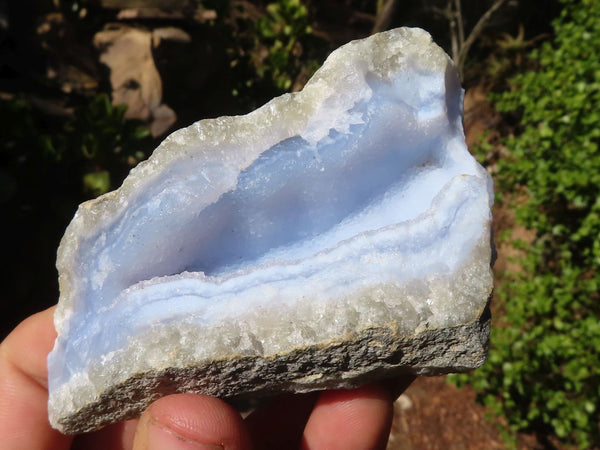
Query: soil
point(433, 414)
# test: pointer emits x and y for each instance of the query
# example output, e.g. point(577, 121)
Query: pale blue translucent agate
point(352, 202)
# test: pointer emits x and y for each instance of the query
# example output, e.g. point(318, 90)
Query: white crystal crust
point(351, 204)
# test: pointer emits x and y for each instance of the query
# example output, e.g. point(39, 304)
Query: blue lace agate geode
point(333, 236)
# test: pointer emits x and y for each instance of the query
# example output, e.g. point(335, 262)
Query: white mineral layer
point(350, 206)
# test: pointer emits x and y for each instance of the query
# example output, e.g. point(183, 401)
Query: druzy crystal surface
point(333, 236)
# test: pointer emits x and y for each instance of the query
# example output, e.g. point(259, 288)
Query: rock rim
point(374, 354)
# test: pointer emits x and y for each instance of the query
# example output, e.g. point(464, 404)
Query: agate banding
point(332, 237)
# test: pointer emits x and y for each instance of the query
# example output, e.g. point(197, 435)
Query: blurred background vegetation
point(89, 87)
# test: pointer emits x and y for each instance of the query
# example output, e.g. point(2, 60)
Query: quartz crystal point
point(332, 237)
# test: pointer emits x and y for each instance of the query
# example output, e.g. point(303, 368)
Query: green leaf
point(97, 183)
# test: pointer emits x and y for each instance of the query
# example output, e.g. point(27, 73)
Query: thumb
point(188, 421)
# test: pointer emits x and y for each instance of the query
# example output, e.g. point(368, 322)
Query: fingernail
point(162, 438)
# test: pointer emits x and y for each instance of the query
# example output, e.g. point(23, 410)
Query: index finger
point(24, 386)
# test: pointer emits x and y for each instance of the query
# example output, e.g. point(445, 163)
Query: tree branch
point(474, 34)
point(459, 23)
point(451, 16)
point(385, 12)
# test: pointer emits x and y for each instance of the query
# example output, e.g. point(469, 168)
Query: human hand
point(345, 419)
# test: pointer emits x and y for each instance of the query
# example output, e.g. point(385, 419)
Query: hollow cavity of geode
point(334, 236)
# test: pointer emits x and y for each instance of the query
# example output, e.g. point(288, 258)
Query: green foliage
point(100, 139)
point(543, 373)
point(97, 183)
point(88, 149)
point(278, 36)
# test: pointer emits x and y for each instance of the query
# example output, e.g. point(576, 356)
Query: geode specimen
point(332, 237)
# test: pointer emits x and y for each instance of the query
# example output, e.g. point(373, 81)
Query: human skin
point(337, 419)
